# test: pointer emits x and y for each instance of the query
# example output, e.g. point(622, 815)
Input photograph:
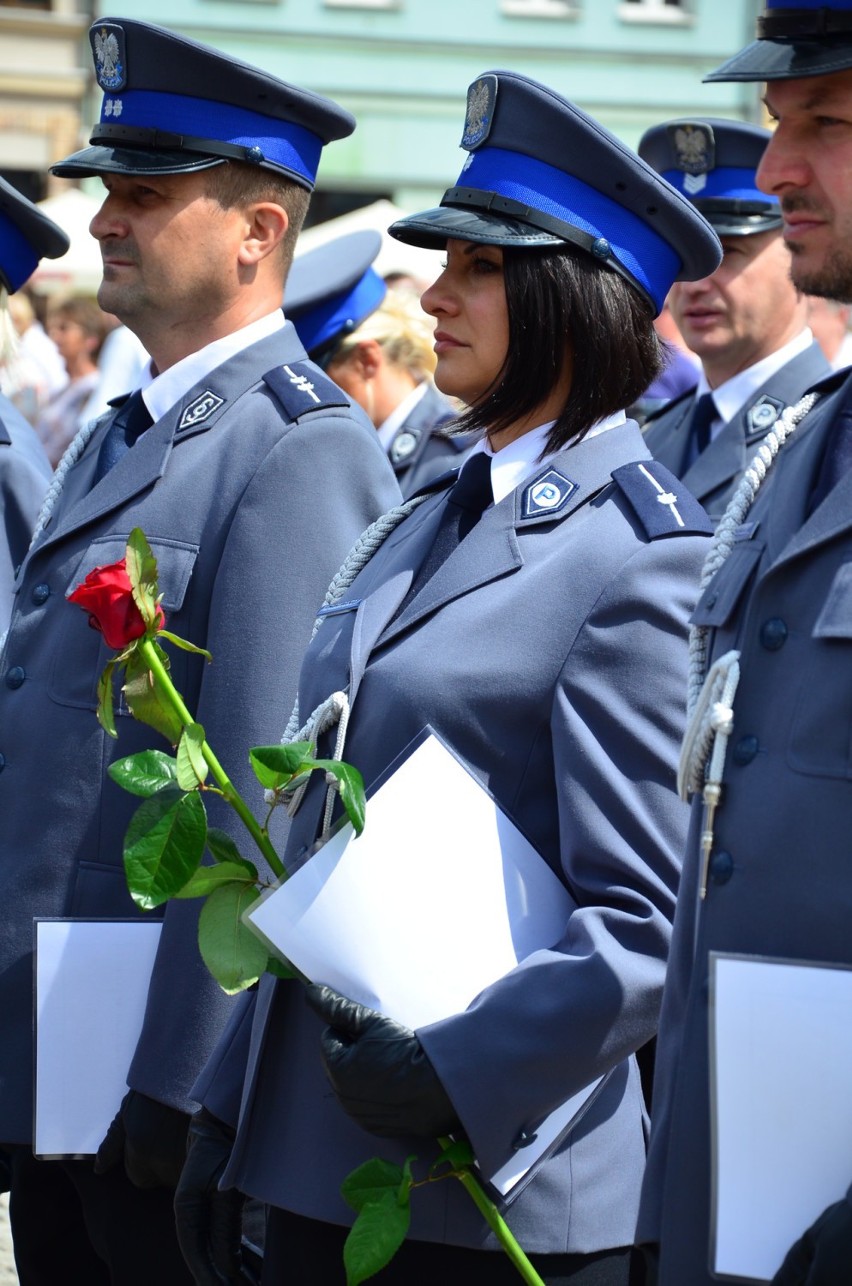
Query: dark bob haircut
point(564, 307)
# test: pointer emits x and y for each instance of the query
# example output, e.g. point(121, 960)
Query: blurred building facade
point(401, 66)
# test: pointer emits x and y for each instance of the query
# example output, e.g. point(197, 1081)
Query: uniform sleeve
point(322, 483)
point(566, 1015)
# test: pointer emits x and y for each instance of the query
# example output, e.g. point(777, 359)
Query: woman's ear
point(369, 358)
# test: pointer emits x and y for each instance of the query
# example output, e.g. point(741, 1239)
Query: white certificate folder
point(781, 1072)
point(91, 987)
point(438, 898)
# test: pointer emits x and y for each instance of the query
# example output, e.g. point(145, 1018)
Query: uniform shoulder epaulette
point(440, 483)
point(672, 403)
point(663, 505)
point(830, 382)
point(301, 387)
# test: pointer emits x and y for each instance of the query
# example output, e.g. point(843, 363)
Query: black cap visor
point(131, 160)
point(786, 60)
point(431, 229)
point(738, 218)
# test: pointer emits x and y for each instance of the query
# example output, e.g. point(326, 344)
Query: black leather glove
point(150, 1138)
point(823, 1255)
point(209, 1220)
point(379, 1070)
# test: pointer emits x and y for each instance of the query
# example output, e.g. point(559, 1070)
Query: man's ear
point(266, 224)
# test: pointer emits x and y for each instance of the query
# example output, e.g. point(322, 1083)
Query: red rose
point(108, 598)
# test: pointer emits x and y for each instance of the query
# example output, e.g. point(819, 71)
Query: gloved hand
point(823, 1255)
point(150, 1138)
point(209, 1220)
point(379, 1070)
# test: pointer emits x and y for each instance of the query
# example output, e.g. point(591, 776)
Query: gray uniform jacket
point(25, 473)
point(713, 477)
point(421, 449)
point(549, 651)
point(250, 491)
point(779, 877)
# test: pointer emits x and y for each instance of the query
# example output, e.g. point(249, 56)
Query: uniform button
point(523, 1140)
point(2, 762)
point(721, 867)
point(40, 594)
point(15, 676)
point(773, 633)
point(746, 749)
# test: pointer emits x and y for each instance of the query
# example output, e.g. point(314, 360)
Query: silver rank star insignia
point(667, 498)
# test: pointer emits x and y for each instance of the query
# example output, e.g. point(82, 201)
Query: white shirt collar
point(161, 392)
point(387, 430)
point(729, 397)
point(512, 464)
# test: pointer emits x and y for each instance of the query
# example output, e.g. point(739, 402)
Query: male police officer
point(774, 877)
point(26, 235)
point(251, 483)
point(747, 321)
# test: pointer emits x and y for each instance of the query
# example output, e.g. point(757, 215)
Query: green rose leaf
point(233, 954)
point(457, 1156)
point(164, 844)
point(142, 571)
point(280, 969)
point(146, 700)
point(222, 846)
point(375, 1237)
point(208, 878)
point(275, 765)
point(191, 765)
point(106, 713)
point(370, 1182)
point(184, 644)
point(351, 785)
point(145, 772)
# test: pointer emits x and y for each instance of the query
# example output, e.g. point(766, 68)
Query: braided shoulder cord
point(72, 454)
point(710, 697)
point(723, 540)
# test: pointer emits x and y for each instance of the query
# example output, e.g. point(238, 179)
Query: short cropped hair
point(236, 184)
point(85, 313)
point(563, 307)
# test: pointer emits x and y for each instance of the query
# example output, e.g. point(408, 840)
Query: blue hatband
point(298, 152)
point(645, 255)
point(318, 325)
point(18, 258)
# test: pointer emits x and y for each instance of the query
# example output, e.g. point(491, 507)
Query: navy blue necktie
point(470, 495)
point(703, 414)
point(131, 420)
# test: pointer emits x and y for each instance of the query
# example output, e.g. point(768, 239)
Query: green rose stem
point(495, 1222)
point(162, 678)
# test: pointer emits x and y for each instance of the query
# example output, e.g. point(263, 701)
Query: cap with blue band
point(172, 105)
point(796, 38)
point(714, 163)
point(332, 289)
point(26, 236)
point(543, 173)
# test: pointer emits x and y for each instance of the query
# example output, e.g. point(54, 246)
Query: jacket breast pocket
point(79, 651)
point(717, 604)
point(821, 733)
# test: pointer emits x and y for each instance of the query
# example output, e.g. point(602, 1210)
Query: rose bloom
point(108, 598)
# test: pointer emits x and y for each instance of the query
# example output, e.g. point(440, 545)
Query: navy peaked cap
point(172, 105)
point(333, 288)
point(794, 38)
point(714, 163)
point(26, 235)
point(543, 173)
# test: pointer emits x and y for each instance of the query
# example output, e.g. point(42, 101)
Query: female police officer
point(548, 649)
